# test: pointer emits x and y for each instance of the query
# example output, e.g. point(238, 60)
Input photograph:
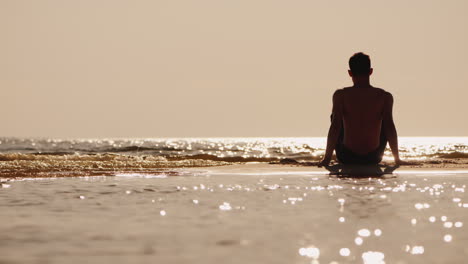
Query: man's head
point(359, 65)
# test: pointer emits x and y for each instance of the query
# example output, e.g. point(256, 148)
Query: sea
point(36, 157)
point(170, 201)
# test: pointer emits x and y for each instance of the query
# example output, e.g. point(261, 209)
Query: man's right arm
point(389, 127)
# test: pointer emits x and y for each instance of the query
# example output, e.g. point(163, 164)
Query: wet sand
point(250, 213)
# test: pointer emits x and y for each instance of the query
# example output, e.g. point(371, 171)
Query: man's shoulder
point(381, 90)
point(338, 92)
point(387, 96)
point(341, 90)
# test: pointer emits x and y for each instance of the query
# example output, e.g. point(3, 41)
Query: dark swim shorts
point(346, 156)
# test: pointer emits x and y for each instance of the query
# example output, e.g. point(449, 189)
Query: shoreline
point(265, 169)
point(253, 168)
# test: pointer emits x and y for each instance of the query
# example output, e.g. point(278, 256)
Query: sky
point(223, 68)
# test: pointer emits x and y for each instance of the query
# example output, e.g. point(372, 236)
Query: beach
point(245, 213)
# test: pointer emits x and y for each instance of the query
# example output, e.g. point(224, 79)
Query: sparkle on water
point(345, 252)
point(364, 232)
point(310, 252)
point(377, 232)
point(413, 148)
point(415, 250)
point(448, 238)
point(225, 207)
point(358, 241)
point(373, 257)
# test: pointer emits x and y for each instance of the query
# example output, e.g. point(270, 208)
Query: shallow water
point(234, 217)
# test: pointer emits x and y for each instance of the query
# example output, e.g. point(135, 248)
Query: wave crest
point(40, 165)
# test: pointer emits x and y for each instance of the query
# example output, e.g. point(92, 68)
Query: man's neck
point(361, 81)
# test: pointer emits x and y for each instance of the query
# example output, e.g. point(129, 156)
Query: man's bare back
point(363, 109)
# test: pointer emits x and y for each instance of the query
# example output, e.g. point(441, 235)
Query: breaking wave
point(84, 157)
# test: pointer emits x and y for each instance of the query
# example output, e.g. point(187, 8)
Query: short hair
point(360, 64)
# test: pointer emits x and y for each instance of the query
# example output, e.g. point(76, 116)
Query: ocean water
point(80, 157)
point(165, 203)
point(236, 214)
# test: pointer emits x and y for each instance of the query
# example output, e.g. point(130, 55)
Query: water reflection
point(359, 171)
point(359, 199)
point(345, 252)
point(310, 252)
point(365, 196)
point(373, 257)
point(448, 238)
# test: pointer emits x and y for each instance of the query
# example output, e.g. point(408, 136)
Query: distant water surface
point(260, 148)
point(63, 157)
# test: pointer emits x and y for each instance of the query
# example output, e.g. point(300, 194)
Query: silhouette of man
point(362, 120)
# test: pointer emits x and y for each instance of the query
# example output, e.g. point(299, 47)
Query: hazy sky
point(157, 68)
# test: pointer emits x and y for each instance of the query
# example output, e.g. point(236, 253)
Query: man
point(361, 121)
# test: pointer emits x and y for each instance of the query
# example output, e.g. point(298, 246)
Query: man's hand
point(324, 162)
point(399, 162)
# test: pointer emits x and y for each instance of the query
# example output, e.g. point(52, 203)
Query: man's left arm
point(335, 128)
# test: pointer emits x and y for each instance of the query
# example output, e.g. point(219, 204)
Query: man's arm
point(389, 127)
point(335, 128)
